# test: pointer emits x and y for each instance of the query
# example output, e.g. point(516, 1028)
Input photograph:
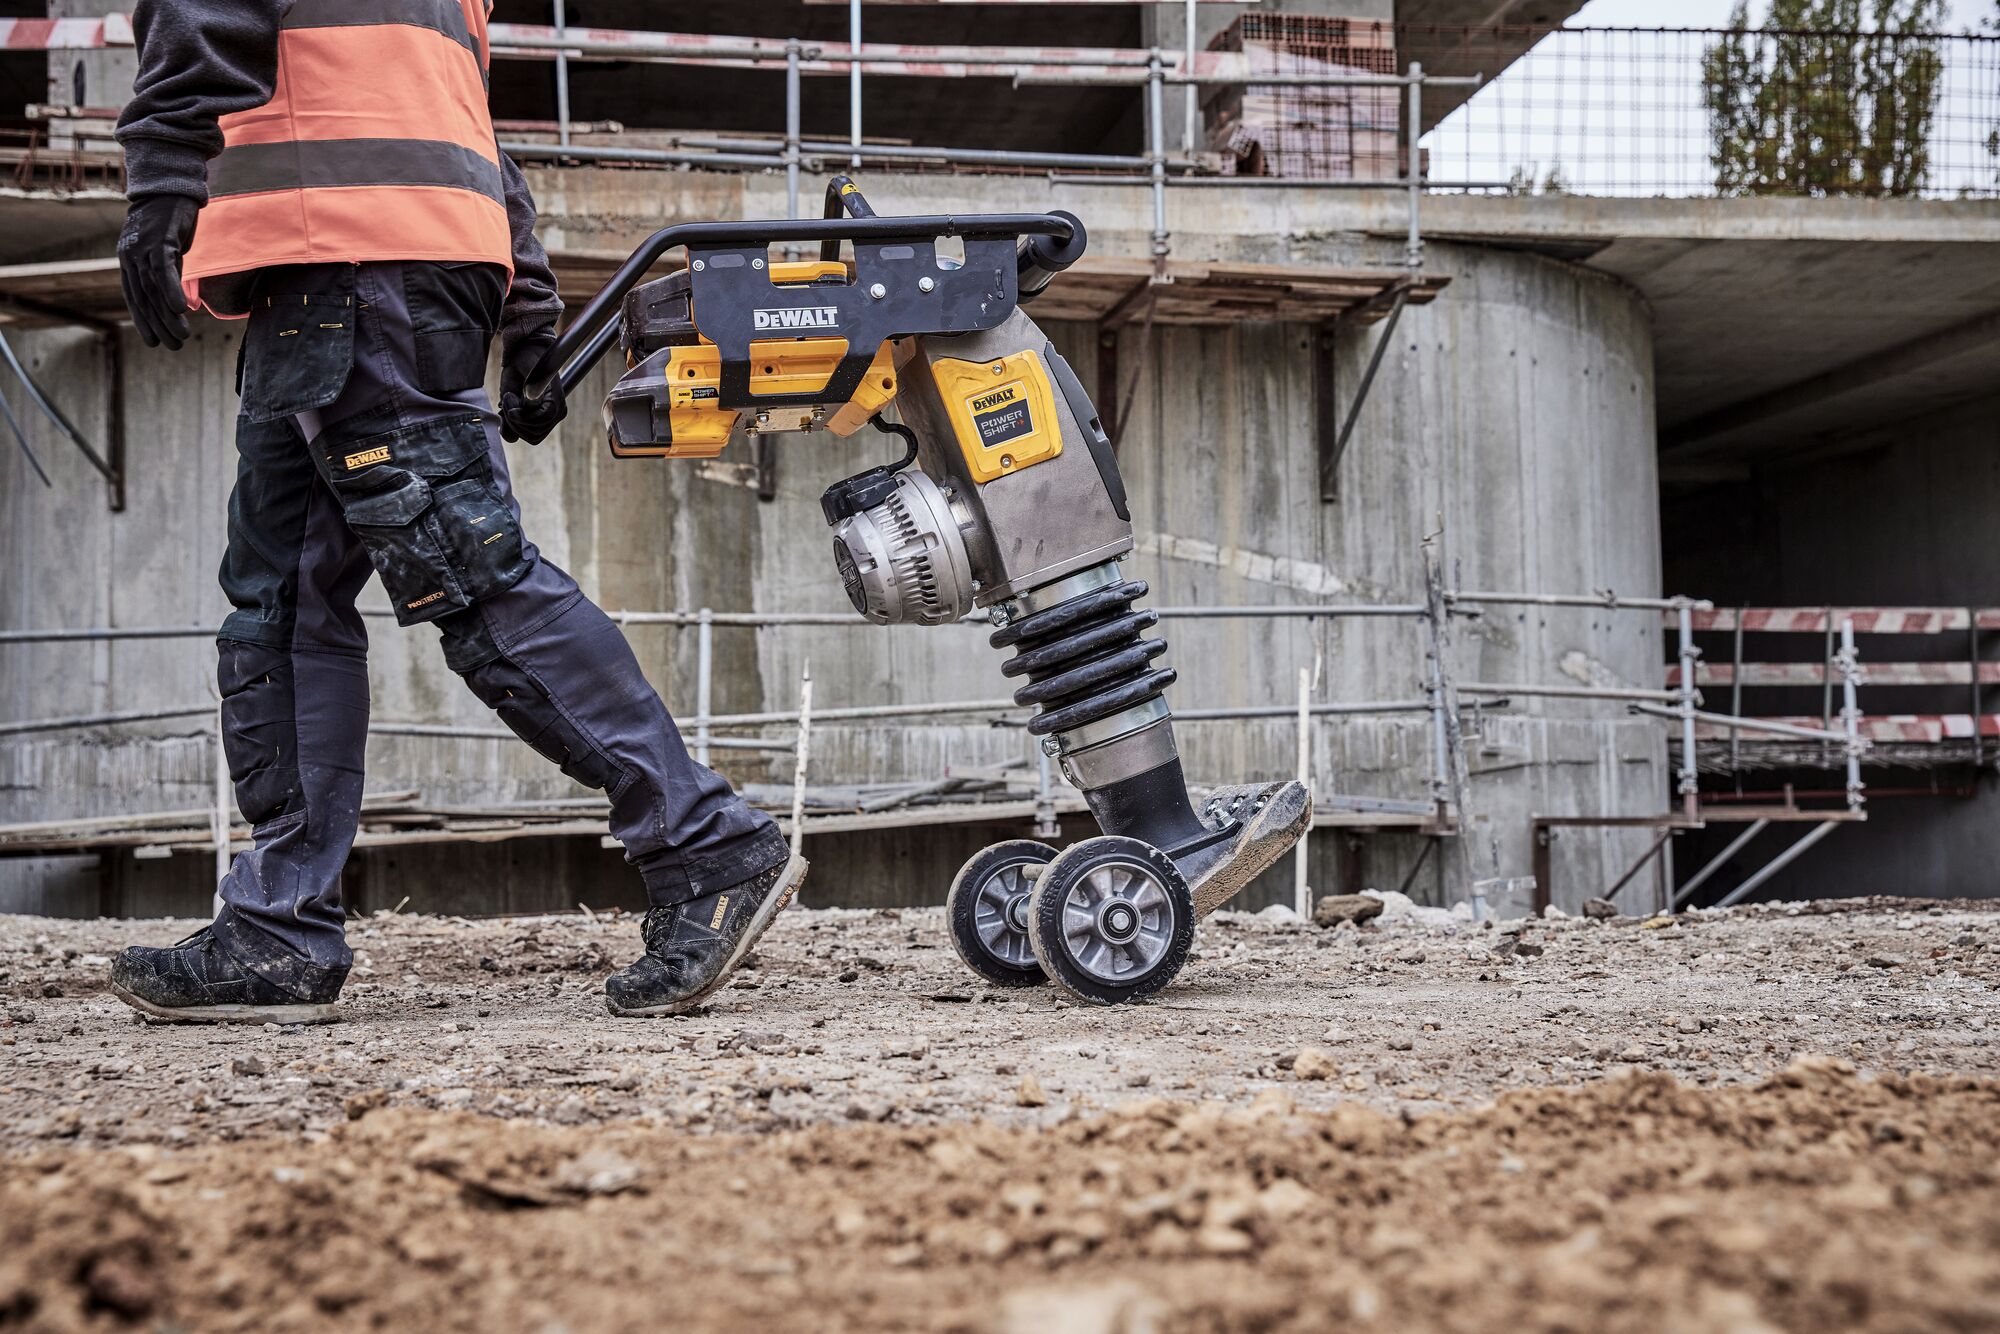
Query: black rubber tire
point(964, 897)
point(1052, 945)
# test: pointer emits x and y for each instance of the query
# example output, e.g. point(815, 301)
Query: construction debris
point(1546, 1210)
point(1280, 1132)
point(1346, 909)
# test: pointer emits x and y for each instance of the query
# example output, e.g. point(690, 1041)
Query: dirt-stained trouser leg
point(371, 376)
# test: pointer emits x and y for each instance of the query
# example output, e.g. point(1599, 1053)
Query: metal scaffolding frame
point(1152, 71)
point(1441, 698)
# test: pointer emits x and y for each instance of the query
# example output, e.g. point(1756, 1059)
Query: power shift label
point(1001, 415)
point(1003, 412)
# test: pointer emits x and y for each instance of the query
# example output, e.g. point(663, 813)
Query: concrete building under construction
point(1608, 532)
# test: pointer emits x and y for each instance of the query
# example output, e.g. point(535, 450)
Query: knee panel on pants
point(425, 505)
point(260, 730)
point(533, 716)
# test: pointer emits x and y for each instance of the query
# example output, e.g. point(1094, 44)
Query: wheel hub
point(1118, 921)
point(1000, 915)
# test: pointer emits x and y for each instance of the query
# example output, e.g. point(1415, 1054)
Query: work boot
point(196, 981)
point(1270, 819)
point(691, 947)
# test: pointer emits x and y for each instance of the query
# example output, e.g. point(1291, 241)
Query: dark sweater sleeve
point(532, 301)
point(199, 60)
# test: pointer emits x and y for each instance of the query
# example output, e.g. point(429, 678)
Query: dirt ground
point(1774, 1118)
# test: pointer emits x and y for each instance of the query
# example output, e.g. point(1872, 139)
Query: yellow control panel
point(701, 426)
point(1003, 412)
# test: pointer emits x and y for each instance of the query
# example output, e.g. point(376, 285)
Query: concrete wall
point(1902, 519)
point(1513, 417)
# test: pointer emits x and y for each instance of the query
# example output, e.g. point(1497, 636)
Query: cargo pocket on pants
point(423, 502)
point(298, 351)
point(454, 311)
point(479, 535)
point(404, 550)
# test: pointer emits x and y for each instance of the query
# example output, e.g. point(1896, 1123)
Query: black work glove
point(157, 231)
point(520, 418)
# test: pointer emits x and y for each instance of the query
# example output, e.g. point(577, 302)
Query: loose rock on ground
point(1728, 1120)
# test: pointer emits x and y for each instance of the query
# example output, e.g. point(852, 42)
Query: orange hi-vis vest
point(377, 144)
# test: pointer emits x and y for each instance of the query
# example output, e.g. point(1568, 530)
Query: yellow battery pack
point(1003, 412)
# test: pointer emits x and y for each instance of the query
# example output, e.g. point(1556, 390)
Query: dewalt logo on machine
point(797, 317)
point(1001, 414)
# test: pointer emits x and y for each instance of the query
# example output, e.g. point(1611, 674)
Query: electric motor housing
point(903, 560)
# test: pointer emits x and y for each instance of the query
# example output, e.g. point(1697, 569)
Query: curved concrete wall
point(1513, 417)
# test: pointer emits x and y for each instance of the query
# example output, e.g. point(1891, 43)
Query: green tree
point(1830, 97)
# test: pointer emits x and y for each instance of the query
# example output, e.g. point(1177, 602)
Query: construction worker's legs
point(406, 441)
point(294, 678)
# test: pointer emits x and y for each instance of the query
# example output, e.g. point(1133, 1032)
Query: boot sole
point(1270, 834)
point(229, 1014)
point(789, 884)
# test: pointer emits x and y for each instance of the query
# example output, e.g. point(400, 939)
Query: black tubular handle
point(843, 196)
point(594, 330)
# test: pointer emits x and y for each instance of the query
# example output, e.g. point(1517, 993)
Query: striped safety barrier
point(1867, 620)
point(1816, 673)
point(1921, 728)
point(78, 34)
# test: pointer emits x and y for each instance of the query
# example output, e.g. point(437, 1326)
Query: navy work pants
point(367, 445)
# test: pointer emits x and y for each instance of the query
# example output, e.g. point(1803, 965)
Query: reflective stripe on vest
point(376, 144)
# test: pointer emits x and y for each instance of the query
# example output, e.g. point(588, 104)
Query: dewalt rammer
point(1007, 498)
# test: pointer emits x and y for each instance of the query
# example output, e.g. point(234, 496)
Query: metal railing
point(1439, 697)
point(1151, 71)
point(1445, 701)
point(1595, 111)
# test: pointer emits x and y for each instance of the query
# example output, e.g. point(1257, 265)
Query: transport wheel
point(988, 912)
point(1111, 920)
